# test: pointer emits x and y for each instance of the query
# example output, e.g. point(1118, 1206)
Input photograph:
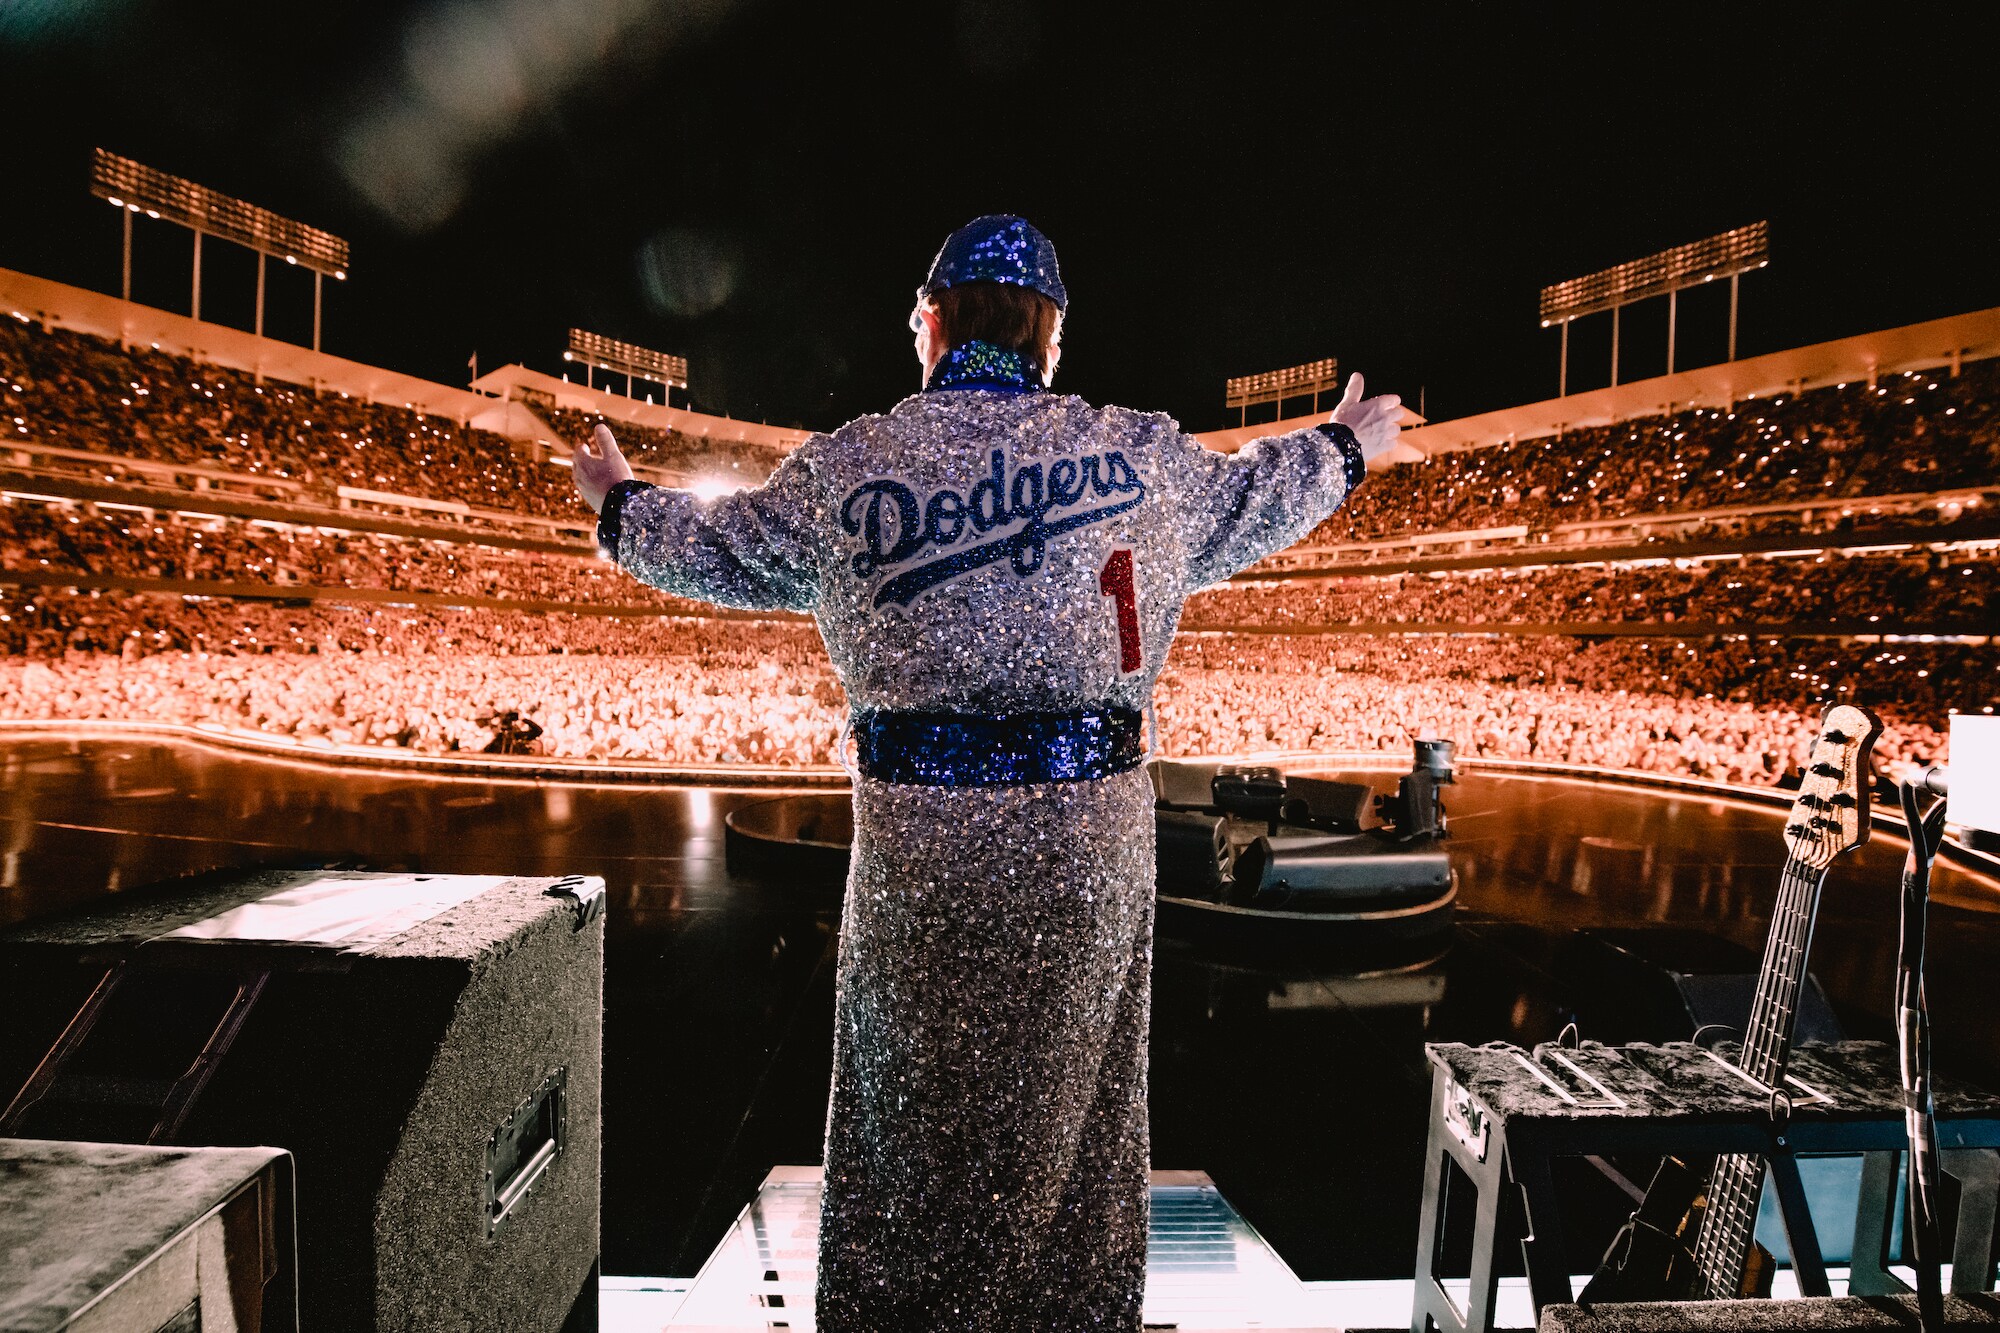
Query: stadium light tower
point(1275, 386)
point(594, 350)
point(133, 188)
point(1729, 255)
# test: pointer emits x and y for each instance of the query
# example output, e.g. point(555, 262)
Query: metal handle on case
point(586, 895)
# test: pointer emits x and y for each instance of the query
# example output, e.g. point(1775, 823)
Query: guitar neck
point(1729, 1223)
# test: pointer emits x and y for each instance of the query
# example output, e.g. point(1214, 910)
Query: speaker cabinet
point(428, 1047)
point(119, 1238)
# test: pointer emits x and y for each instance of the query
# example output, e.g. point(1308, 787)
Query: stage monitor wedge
point(427, 1047)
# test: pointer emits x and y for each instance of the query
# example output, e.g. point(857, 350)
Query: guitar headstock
point(1831, 814)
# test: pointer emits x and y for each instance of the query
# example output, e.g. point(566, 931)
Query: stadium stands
point(73, 391)
point(265, 589)
point(671, 450)
point(1914, 433)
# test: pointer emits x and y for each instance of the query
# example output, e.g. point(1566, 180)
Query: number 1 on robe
point(1115, 582)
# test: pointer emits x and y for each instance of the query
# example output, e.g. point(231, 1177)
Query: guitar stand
point(1500, 1115)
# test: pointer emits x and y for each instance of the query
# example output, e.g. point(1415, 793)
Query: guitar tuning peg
point(1840, 798)
point(1837, 737)
point(1826, 770)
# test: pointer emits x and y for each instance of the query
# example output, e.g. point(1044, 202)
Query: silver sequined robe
point(986, 1140)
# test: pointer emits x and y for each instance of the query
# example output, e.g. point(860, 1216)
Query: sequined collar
point(983, 365)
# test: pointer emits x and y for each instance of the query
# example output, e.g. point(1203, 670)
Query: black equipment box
point(428, 1048)
point(118, 1236)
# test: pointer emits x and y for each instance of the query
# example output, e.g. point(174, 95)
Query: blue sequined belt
point(977, 750)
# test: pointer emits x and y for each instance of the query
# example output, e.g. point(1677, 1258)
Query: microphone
point(1934, 779)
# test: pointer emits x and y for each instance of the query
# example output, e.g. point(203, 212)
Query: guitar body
point(1687, 1241)
point(1652, 1258)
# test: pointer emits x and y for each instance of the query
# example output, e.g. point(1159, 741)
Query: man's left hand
point(1376, 422)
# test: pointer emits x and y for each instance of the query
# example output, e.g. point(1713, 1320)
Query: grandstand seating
point(1920, 432)
point(1949, 590)
point(670, 450)
point(333, 569)
point(72, 391)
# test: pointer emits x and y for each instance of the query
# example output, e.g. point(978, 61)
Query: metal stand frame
point(1507, 1160)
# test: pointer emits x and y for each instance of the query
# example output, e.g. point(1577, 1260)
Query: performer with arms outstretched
point(997, 571)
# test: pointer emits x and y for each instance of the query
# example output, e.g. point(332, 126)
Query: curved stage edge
point(539, 769)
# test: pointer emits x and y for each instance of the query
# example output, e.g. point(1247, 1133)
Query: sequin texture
point(952, 750)
point(999, 247)
point(981, 365)
point(986, 1140)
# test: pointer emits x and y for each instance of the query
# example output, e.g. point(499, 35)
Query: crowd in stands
point(691, 691)
point(74, 391)
point(673, 450)
point(1917, 432)
point(1944, 590)
point(38, 536)
point(680, 689)
point(600, 688)
point(1736, 711)
point(1956, 590)
point(1910, 433)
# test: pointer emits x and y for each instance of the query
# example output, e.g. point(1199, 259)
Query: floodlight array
point(594, 349)
point(1722, 256)
point(1274, 386)
point(133, 185)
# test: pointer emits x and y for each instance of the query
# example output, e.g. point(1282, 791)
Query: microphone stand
point(1913, 1033)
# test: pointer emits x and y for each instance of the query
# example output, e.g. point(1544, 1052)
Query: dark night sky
point(760, 184)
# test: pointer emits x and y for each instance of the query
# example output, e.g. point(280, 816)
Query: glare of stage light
point(710, 488)
point(627, 358)
point(132, 185)
point(1722, 256)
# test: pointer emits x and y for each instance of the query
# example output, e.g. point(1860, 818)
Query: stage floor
point(1206, 1269)
point(1297, 1082)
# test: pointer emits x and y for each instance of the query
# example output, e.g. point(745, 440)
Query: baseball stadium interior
point(1570, 854)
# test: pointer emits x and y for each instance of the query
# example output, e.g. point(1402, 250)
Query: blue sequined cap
point(999, 247)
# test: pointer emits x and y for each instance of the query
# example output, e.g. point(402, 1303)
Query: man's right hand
point(1374, 421)
point(597, 466)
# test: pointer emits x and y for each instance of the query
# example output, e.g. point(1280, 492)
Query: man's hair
point(1017, 318)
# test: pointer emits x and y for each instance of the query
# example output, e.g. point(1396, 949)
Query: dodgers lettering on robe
point(896, 529)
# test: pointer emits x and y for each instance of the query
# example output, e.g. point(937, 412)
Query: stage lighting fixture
point(1728, 255)
point(627, 359)
point(132, 186)
point(122, 181)
point(1275, 386)
point(1722, 256)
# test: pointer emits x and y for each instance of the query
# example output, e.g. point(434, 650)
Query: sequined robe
point(986, 1141)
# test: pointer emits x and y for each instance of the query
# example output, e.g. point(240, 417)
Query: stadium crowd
point(673, 450)
point(670, 691)
point(35, 535)
point(1911, 433)
point(692, 690)
point(1957, 590)
point(74, 391)
point(751, 692)
point(1915, 432)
